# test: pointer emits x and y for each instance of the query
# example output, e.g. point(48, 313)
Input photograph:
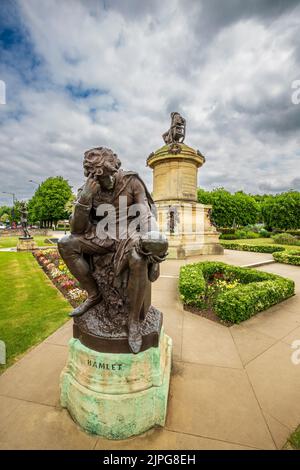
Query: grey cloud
point(276, 187)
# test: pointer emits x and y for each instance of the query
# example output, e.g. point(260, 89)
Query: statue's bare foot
point(135, 339)
point(85, 306)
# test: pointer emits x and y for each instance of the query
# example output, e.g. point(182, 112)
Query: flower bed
point(288, 257)
point(255, 248)
point(60, 275)
point(233, 293)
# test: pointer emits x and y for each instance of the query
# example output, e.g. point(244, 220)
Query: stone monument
point(26, 242)
point(116, 380)
point(187, 224)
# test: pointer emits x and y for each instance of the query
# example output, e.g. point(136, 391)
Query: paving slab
point(62, 336)
point(274, 322)
point(35, 377)
point(35, 426)
point(280, 433)
point(276, 381)
point(217, 403)
point(208, 342)
point(249, 342)
point(162, 439)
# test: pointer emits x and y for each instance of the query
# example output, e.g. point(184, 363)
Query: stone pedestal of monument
point(117, 395)
point(26, 244)
point(185, 222)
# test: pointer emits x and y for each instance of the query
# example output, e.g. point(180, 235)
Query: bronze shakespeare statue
point(24, 220)
point(176, 133)
point(114, 251)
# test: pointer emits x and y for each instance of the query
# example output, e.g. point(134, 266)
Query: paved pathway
point(231, 388)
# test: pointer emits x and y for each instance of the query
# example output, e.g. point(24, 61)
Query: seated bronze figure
point(114, 251)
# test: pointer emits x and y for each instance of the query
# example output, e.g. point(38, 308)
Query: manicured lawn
point(260, 241)
point(31, 307)
point(11, 242)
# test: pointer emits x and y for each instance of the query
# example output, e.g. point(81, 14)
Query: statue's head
point(101, 163)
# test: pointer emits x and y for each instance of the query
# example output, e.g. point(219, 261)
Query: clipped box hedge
point(288, 257)
point(255, 292)
point(255, 248)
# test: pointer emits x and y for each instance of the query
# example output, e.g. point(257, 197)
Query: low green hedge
point(228, 236)
point(288, 257)
point(255, 248)
point(255, 292)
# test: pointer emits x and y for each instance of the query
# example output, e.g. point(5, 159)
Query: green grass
point(31, 307)
point(294, 439)
point(11, 242)
point(259, 241)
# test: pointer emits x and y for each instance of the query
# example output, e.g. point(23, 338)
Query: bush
point(226, 230)
point(295, 233)
point(285, 239)
point(255, 248)
point(288, 257)
point(239, 234)
point(228, 236)
point(246, 234)
point(256, 290)
point(264, 233)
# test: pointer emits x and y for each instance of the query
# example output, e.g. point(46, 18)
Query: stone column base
point(26, 244)
point(117, 395)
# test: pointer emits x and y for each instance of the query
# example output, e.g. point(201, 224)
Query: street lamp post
point(11, 194)
point(13, 208)
point(34, 182)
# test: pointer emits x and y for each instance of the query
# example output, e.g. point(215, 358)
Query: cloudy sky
point(88, 73)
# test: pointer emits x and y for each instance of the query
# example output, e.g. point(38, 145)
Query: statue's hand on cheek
point(89, 190)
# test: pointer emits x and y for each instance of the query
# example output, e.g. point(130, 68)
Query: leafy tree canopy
point(49, 200)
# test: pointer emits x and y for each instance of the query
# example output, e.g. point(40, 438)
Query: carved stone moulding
point(174, 148)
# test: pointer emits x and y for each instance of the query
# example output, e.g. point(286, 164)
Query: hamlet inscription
point(104, 366)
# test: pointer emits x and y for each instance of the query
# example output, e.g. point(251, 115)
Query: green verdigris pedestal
point(117, 395)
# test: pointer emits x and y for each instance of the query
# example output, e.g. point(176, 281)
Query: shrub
point(246, 234)
point(264, 233)
point(239, 234)
point(254, 292)
point(295, 233)
point(285, 239)
point(288, 257)
point(226, 230)
point(228, 236)
point(255, 248)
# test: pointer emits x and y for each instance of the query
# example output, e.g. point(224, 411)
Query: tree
point(4, 218)
point(230, 209)
point(246, 209)
point(282, 211)
point(5, 210)
point(70, 204)
point(49, 201)
point(5, 214)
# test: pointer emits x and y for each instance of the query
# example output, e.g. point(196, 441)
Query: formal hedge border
point(257, 290)
point(288, 257)
point(254, 248)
